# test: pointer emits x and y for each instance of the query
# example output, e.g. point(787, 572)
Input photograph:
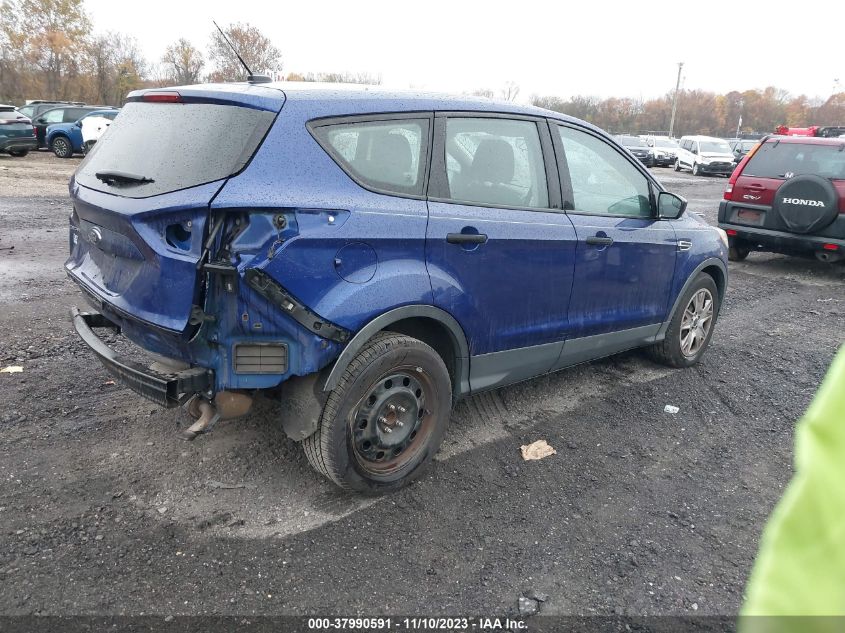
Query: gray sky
point(596, 47)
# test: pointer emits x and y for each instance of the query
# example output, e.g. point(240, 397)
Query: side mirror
point(670, 206)
point(78, 123)
point(41, 120)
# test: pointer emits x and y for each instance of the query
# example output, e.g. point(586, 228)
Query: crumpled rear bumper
point(166, 390)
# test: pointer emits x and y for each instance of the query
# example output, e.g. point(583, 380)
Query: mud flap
point(301, 403)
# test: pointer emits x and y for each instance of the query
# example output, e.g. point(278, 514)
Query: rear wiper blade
point(122, 177)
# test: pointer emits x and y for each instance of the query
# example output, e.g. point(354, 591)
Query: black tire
point(19, 153)
point(737, 252)
point(669, 351)
point(695, 170)
point(677, 165)
point(61, 147)
point(336, 449)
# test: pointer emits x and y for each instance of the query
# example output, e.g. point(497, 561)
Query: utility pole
point(675, 101)
point(739, 123)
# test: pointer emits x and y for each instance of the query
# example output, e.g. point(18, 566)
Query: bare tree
point(116, 66)
point(510, 91)
point(257, 51)
point(182, 63)
point(338, 78)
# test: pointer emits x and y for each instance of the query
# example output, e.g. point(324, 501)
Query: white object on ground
point(11, 369)
point(537, 450)
point(671, 408)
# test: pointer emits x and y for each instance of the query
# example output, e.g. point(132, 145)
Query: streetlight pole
point(739, 123)
point(675, 101)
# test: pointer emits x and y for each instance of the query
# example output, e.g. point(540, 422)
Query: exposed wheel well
point(719, 277)
point(434, 334)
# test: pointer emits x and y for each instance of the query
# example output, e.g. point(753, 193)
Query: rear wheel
point(19, 152)
point(691, 326)
point(385, 420)
point(61, 147)
point(737, 251)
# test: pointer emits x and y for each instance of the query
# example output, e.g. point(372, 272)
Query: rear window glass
point(785, 160)
point(381, 155)
point(175, 145)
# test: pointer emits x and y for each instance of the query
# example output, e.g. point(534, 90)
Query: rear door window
point(785, 160)
point(386, 156)
point(53, 116)
point(174, 146)
point(495, 162)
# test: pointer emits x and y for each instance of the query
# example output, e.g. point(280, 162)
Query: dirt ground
point(104, 511)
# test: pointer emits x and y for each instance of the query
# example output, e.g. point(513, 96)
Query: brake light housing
point(729, 188)
point(162, 96)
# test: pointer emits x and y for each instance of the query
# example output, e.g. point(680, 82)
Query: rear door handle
point(599, 241)
point(466, 238)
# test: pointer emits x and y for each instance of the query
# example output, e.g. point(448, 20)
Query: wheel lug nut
point(392, 407)
point(382, 419)
point(400, 423)
point(401, 409)
point(387, 429)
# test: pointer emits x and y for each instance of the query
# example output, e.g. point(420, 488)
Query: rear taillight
point(731, 232)
point(830, 247)
point(162, 96)
point(729, 189)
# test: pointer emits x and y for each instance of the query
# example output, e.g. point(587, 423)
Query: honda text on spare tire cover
point(788, 196)
point(365, 258)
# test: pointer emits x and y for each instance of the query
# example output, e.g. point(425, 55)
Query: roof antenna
point(250, 77)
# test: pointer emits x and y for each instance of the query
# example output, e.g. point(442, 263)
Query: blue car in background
point(65, 139)
point(366, 257)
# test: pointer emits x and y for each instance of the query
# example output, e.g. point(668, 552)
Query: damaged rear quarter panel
point(349, 260)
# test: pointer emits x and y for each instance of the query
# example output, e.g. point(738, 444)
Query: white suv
point(705, 155)
point(663, 150)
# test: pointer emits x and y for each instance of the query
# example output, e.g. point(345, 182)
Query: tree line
point(702, 112)
point(49, 49)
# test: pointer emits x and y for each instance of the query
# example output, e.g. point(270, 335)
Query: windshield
point(172, 146)
point(715, 147)
point(632, 141)
point(665, 142)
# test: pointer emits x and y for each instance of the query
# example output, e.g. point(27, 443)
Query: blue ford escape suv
point(368, 257)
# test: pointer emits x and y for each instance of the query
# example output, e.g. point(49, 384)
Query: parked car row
point(65, 128)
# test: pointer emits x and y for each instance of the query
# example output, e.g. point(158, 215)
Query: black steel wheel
point(385, 420)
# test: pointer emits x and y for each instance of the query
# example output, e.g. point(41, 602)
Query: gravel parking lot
point(104, 511)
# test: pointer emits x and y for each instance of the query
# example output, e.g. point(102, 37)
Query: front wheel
point(695, 170)
point(691, 327)
point(61, 147)
point(384, 422)
point(677, 165)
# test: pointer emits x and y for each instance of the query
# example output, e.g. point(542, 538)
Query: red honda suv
point(788, 196)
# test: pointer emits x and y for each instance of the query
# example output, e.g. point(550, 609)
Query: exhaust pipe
point(828, 257)
point(226, 405)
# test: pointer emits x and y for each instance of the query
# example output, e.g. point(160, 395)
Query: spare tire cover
point(806, 204)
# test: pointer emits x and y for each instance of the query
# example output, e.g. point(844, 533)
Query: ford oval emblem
point(95, 236)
